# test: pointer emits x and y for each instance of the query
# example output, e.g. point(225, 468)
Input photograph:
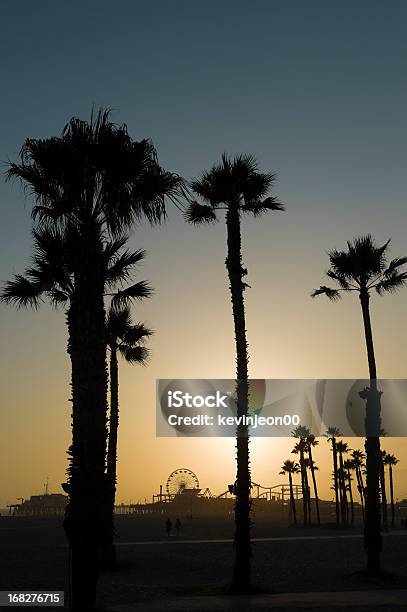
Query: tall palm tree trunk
point(308, 489)
point(86, 520)
point(391, 494)
point(373, 539)
point(292, 500)
point(361, 490)
point(342, 489)
point(352, 509)
point(304, 487)
point(383, 496)
point(314, 484)
point(336, 483)
point(110, 551)
point(241, 574)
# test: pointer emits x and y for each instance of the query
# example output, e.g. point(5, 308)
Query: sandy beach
point(154, 569)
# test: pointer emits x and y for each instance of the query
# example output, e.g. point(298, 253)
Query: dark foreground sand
point(157, 571)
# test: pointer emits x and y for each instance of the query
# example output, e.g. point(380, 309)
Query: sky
point(317, 92)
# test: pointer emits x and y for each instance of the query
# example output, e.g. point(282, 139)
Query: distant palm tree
point(126, 338)
point(300, 449)
point(357, 459)
point(343, 449)
point(348, 466)
point(312, 467)
point(311, 441)
point(290, 468)
point(362, 268)
point(236, 186)
point(383, 490)
point(92, 183)
point(332, 433)
point(391, 461)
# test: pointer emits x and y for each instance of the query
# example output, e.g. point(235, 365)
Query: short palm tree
point(383, 490)
point(127, 339)
point(236, 187)
point(332, 434)
point(311, 442)
point(343, 449)
point(363, 268)
point(290, 468)
point(310, 465)
point(358, 458)
point(391, 461)
point(348, 466)
point(300, 449)
point(92, 182)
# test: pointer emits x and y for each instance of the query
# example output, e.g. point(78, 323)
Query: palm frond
point(21, 292)
point(332, 294)
point(260, 207)
point(58, 297)
point(120, 269)
point(199, 213)
point(113, 247)
point(339, 278)
point(137, 333)
point(135, 354)
point(138, 291)
point(394, 264)
point(391, 283)
point(118, 321)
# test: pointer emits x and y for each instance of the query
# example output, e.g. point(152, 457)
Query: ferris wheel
point(181, 479)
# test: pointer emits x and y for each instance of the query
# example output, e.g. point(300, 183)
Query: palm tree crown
point(390, 459)
point(363, 267)
point(332, 433)
point(234, 183)
point(126, 337)
point(93, 172)
point(289, 467)
point(51, 274)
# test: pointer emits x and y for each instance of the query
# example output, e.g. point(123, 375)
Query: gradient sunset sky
point(317, 92)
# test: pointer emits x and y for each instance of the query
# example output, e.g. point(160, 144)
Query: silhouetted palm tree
point(236, 187)
point(300, 449)
point(348, 466)
point(312, 467)
point(391, 461)
point(290, 468)
point(51, 277)
point(383, 490)
point(91, 182)
point(127, 339)
point(311, 441)
point(362, 269)
point(332, 433)
point(357, 459)
point(343, 449)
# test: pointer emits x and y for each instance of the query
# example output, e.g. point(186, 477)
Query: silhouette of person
point(177, 526)
point(168, 526)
